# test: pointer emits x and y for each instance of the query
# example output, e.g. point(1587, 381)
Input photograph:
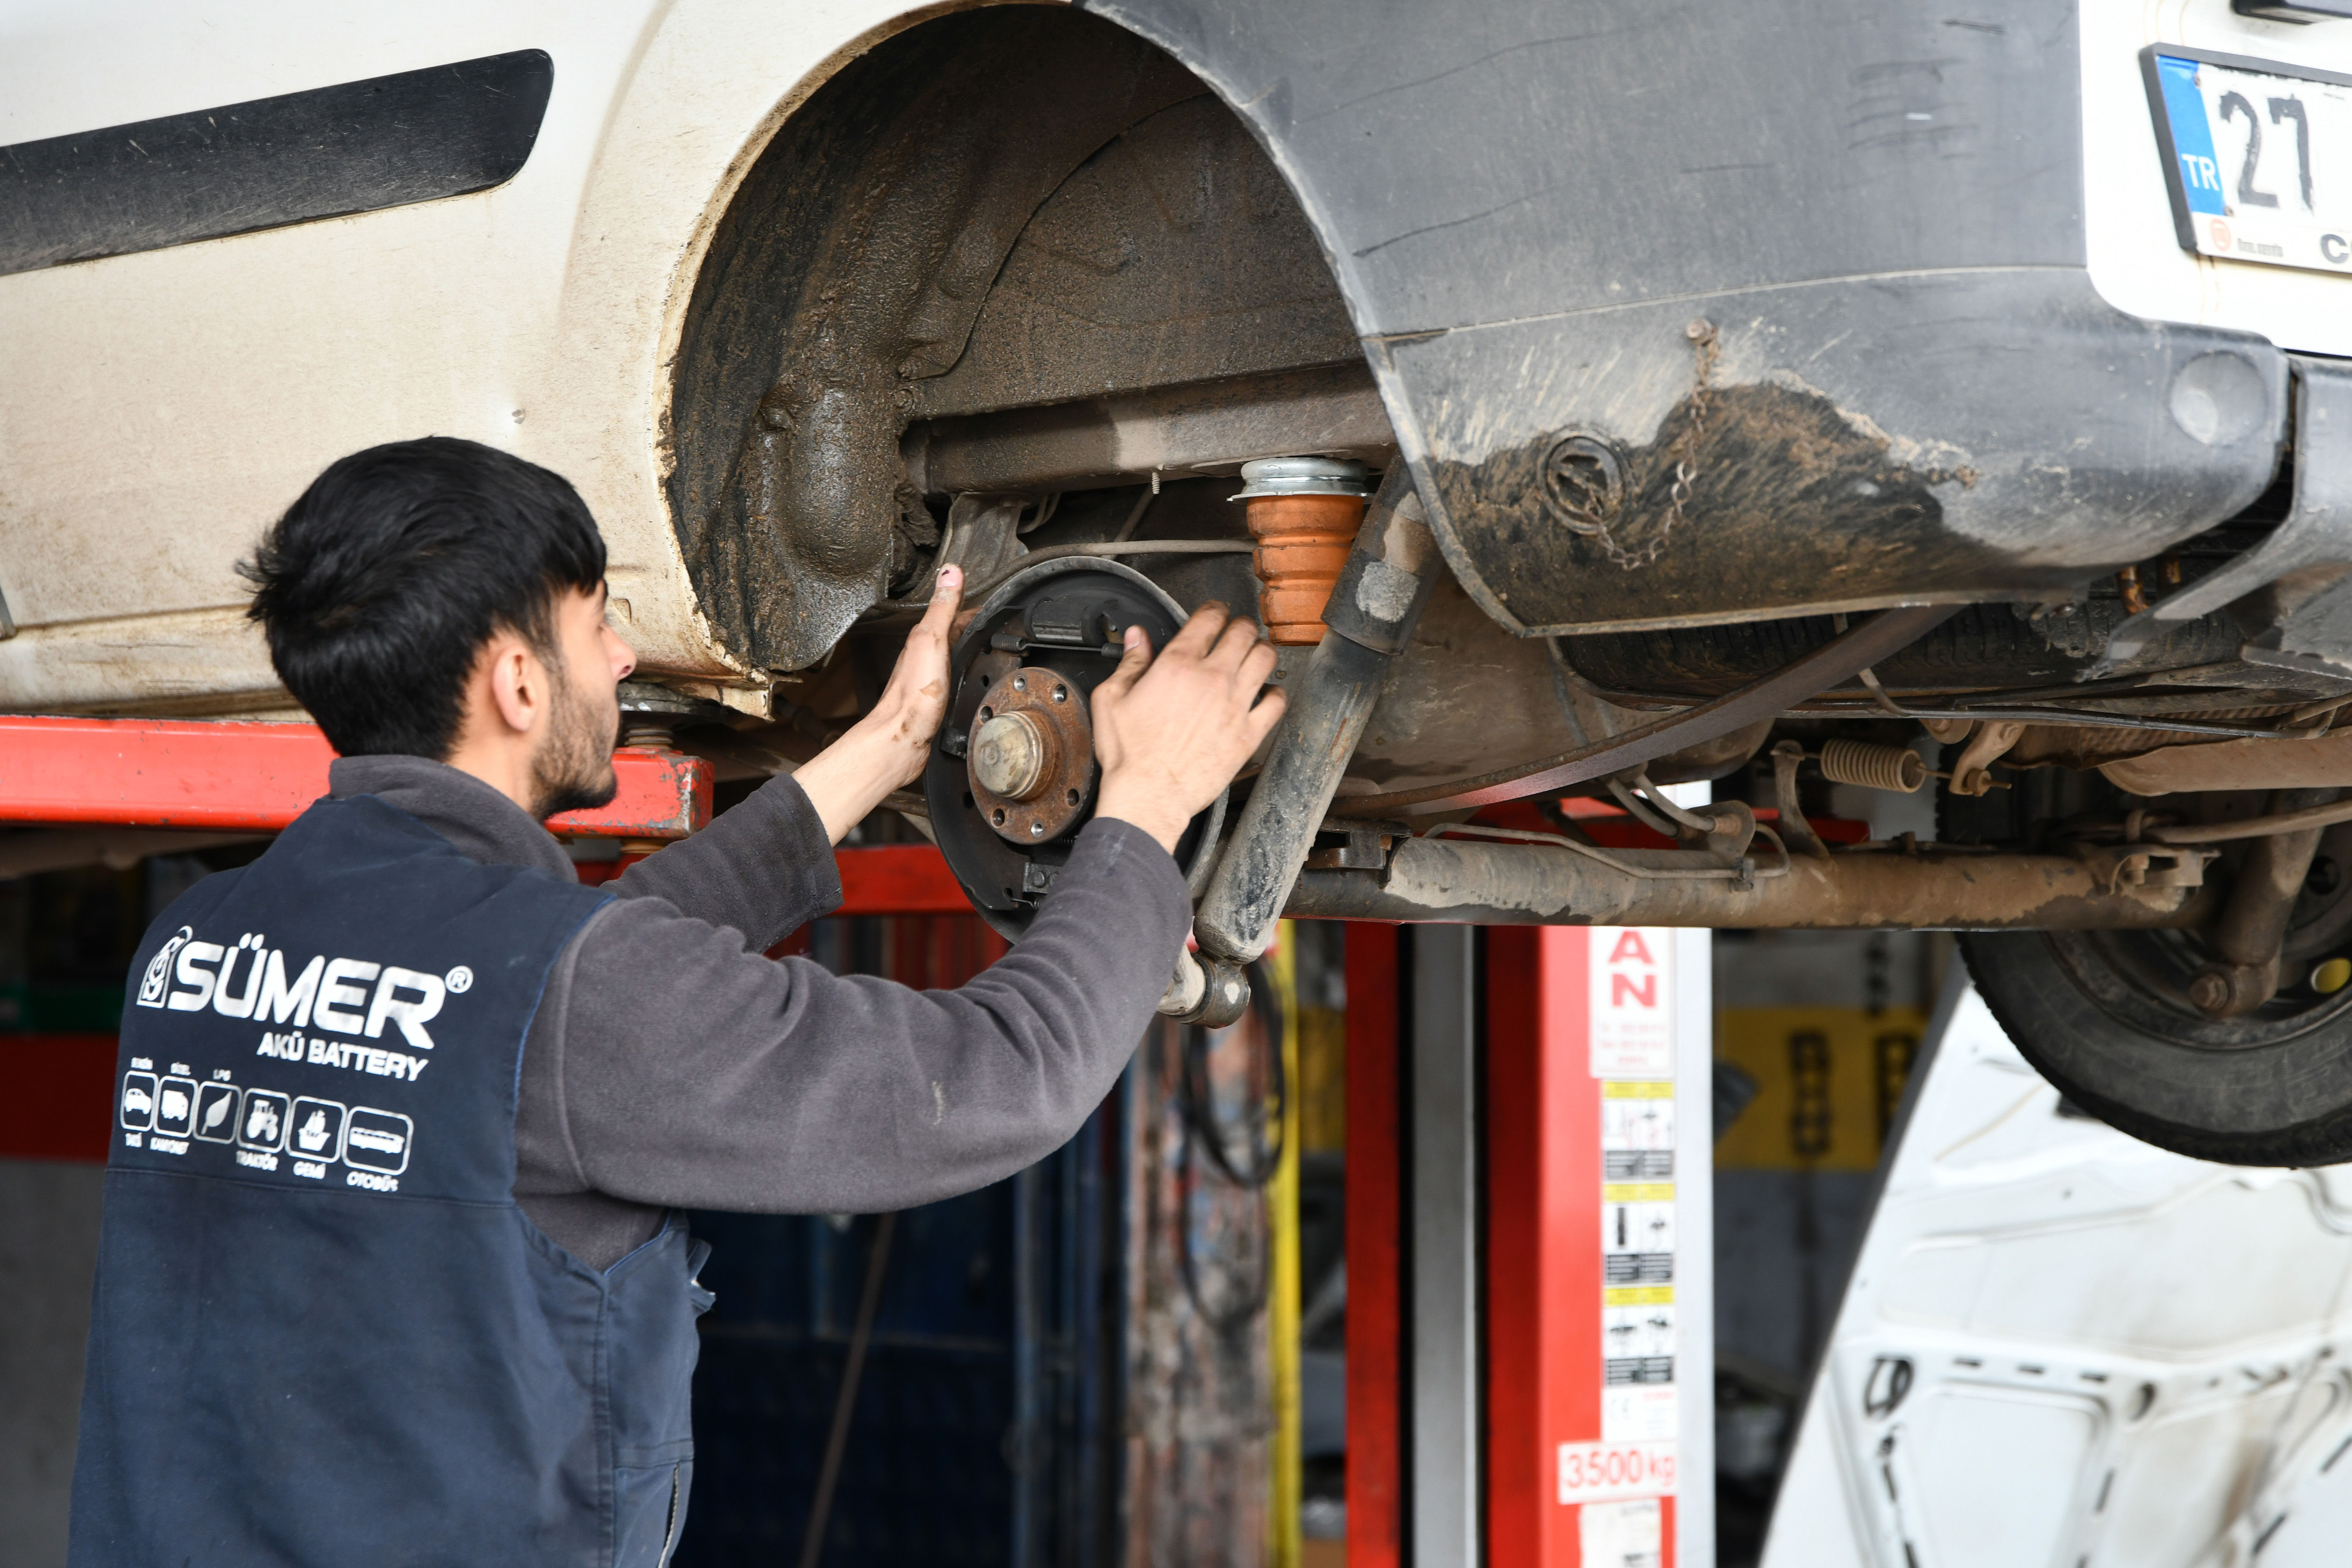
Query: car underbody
point(1669, 473)
point(1037, 330)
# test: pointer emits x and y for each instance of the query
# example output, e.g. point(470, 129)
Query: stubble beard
point(572, 769)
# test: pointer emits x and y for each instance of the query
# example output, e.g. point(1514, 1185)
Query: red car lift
point(1542, 1387)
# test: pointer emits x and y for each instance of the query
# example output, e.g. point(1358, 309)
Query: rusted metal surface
point(1991, 742)
point(1199, 1417)
point(1515, 884)
point(1065, 620)
point(2320, 763)
point(1768, 478)
point(2251, 927)
point(239, 777)
point(1032, 760)
point(1762, 698)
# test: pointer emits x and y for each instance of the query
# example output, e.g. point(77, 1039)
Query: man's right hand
point(1171, 732)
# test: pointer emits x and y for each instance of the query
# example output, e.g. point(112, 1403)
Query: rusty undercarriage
point(1018, 291)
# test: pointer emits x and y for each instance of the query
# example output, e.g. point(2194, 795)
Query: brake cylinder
point(1304, 512)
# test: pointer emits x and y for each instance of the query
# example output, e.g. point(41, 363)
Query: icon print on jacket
point(138, 1102)
point(377, 1140)
point(175, 1107)
point(158, 978)
point(265, 1121)
point(216, 1112)
point(316, 1131)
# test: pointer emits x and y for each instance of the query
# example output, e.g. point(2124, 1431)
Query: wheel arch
point(677, 142)
point(841, 282)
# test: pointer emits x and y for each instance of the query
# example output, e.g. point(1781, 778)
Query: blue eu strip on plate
point(2192, 135)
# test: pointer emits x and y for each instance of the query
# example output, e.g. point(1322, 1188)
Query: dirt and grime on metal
point(1761, 493)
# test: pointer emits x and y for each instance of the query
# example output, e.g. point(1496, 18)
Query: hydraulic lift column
point(1597, 1293)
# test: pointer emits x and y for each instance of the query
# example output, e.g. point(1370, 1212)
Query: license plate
point(2257, 156)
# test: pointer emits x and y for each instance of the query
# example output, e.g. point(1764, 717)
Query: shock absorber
point(1384, 581)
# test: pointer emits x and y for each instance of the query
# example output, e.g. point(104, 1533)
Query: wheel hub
point(1032, 762)
point(1012, 777)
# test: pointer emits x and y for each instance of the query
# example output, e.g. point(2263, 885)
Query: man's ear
point(518, 683)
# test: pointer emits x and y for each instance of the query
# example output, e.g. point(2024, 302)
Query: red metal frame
point(898, 879)
point(1375, 1232)
point(1544, 1244)
point(227, 776)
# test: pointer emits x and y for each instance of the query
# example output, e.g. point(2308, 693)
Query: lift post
point(1598, 1307)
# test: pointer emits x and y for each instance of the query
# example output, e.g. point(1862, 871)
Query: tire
point(2082, 1007)
point(2104, 1015)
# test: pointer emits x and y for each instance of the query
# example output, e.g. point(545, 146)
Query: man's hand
point(888, 748)
point(1171, 732)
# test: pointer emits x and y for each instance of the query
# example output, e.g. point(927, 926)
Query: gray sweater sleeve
point(695, 1072)
point(765, 868)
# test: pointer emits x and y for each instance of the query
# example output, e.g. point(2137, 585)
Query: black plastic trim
point(386, 142)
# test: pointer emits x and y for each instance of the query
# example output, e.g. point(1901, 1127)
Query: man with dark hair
point(391, 1268)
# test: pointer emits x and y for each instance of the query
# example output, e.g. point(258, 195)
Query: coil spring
point(1896, 768)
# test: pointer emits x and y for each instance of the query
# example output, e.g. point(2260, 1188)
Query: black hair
point(381, 585)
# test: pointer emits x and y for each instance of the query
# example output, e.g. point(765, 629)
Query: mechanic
point(393, 1271)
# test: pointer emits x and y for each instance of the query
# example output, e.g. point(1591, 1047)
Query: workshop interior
point(1782, 993)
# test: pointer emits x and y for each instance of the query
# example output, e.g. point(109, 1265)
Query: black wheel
point(2105, 1017)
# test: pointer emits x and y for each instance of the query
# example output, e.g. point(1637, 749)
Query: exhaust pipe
point(2120, 887)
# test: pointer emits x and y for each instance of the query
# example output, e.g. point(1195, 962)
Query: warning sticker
point(1637, 1234)
point(1631, 1000)
point(1620, 1534)
point(1640, 1413)
point(1637, 1338)
point(1637, 1132)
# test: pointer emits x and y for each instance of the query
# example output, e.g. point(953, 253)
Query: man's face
point(572, 769)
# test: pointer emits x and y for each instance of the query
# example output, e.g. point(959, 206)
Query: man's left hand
point(886, 749)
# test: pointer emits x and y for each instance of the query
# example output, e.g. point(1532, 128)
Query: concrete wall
point(48, 1250)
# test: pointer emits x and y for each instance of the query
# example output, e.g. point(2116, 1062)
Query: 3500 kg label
point(1603, 1472)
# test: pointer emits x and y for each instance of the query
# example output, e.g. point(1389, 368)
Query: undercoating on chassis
point(1015, 290)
